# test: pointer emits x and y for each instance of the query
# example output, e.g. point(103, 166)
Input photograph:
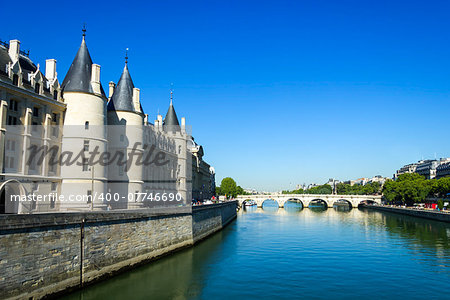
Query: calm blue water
point(291, 253)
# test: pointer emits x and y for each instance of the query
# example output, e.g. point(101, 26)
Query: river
point(298, 253)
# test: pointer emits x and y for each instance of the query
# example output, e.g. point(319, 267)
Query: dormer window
point(55, 94)
point(37, 88)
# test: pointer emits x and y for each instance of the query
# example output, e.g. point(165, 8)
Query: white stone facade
point(76, 117)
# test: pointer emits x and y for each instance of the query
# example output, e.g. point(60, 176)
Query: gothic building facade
point(66, 146)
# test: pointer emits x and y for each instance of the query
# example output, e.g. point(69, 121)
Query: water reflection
point(337, 253)
point(293, 206)
point(178, 276)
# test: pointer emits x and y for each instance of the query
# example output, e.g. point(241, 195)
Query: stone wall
point(52, 253)
point(427, 214)
point(207, 219)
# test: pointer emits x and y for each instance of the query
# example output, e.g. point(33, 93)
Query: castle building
point(69, 147)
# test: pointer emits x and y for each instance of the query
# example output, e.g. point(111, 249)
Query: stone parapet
point(52, 253)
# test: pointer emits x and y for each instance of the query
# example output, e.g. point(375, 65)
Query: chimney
point(112, 86)
point(160, 121)
point(136, 96)
point(183, 123)
point(50, 69)
point(14, 49)
point(95, 78)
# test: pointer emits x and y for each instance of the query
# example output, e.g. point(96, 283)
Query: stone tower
point(172, 128)
point(125, 135)
point(84, 131)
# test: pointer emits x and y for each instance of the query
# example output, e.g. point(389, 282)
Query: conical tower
point(125, 136)
point(84, 131)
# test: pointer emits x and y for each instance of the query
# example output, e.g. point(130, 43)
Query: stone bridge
point(305, 199)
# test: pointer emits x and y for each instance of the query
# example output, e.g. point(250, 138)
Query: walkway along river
point(293, 253)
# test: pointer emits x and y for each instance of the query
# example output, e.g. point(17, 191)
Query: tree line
point(413, 188)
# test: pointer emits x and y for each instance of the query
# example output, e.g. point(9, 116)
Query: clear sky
point(277, 92)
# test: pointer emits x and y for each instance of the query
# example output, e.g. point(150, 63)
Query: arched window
point(86, 125)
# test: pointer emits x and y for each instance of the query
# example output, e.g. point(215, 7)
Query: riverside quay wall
point(52, 253)
point(427, 214)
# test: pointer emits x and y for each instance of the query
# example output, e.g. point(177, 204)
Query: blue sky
point(278, 92)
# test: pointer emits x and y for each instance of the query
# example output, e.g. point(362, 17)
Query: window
point(37, 88)
point(34, 186)
point(13, 105)
point(85, 164)
point(55, 118)
point(89, 196)
point(11, 162)
point(55, 94)
point(12, 120)
point(52, 166)
point(16, 79)
point(32, 161)
point(86, 125)
point(11, 145)
point(86, 145)
point(54, 186)
point(52, 201)
point(35, 111)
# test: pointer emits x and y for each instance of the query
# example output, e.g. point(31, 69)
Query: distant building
point(251, 191)
point(443, 170)
point(427, 168)
point(333, 183)
point(378, 178)
point(409, 168)
point(359, 181)
point(311, 185)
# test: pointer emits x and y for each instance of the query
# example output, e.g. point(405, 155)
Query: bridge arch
point(268, 199)
point(367, 202)
point(343, 201)
point(316, 202)
point(292, 200)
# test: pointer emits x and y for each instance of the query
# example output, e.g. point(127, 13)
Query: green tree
point(321, 189)
point(440, 204)
point(218, 191)
point(240, 191)
point(228, 187)
point(409, 188)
